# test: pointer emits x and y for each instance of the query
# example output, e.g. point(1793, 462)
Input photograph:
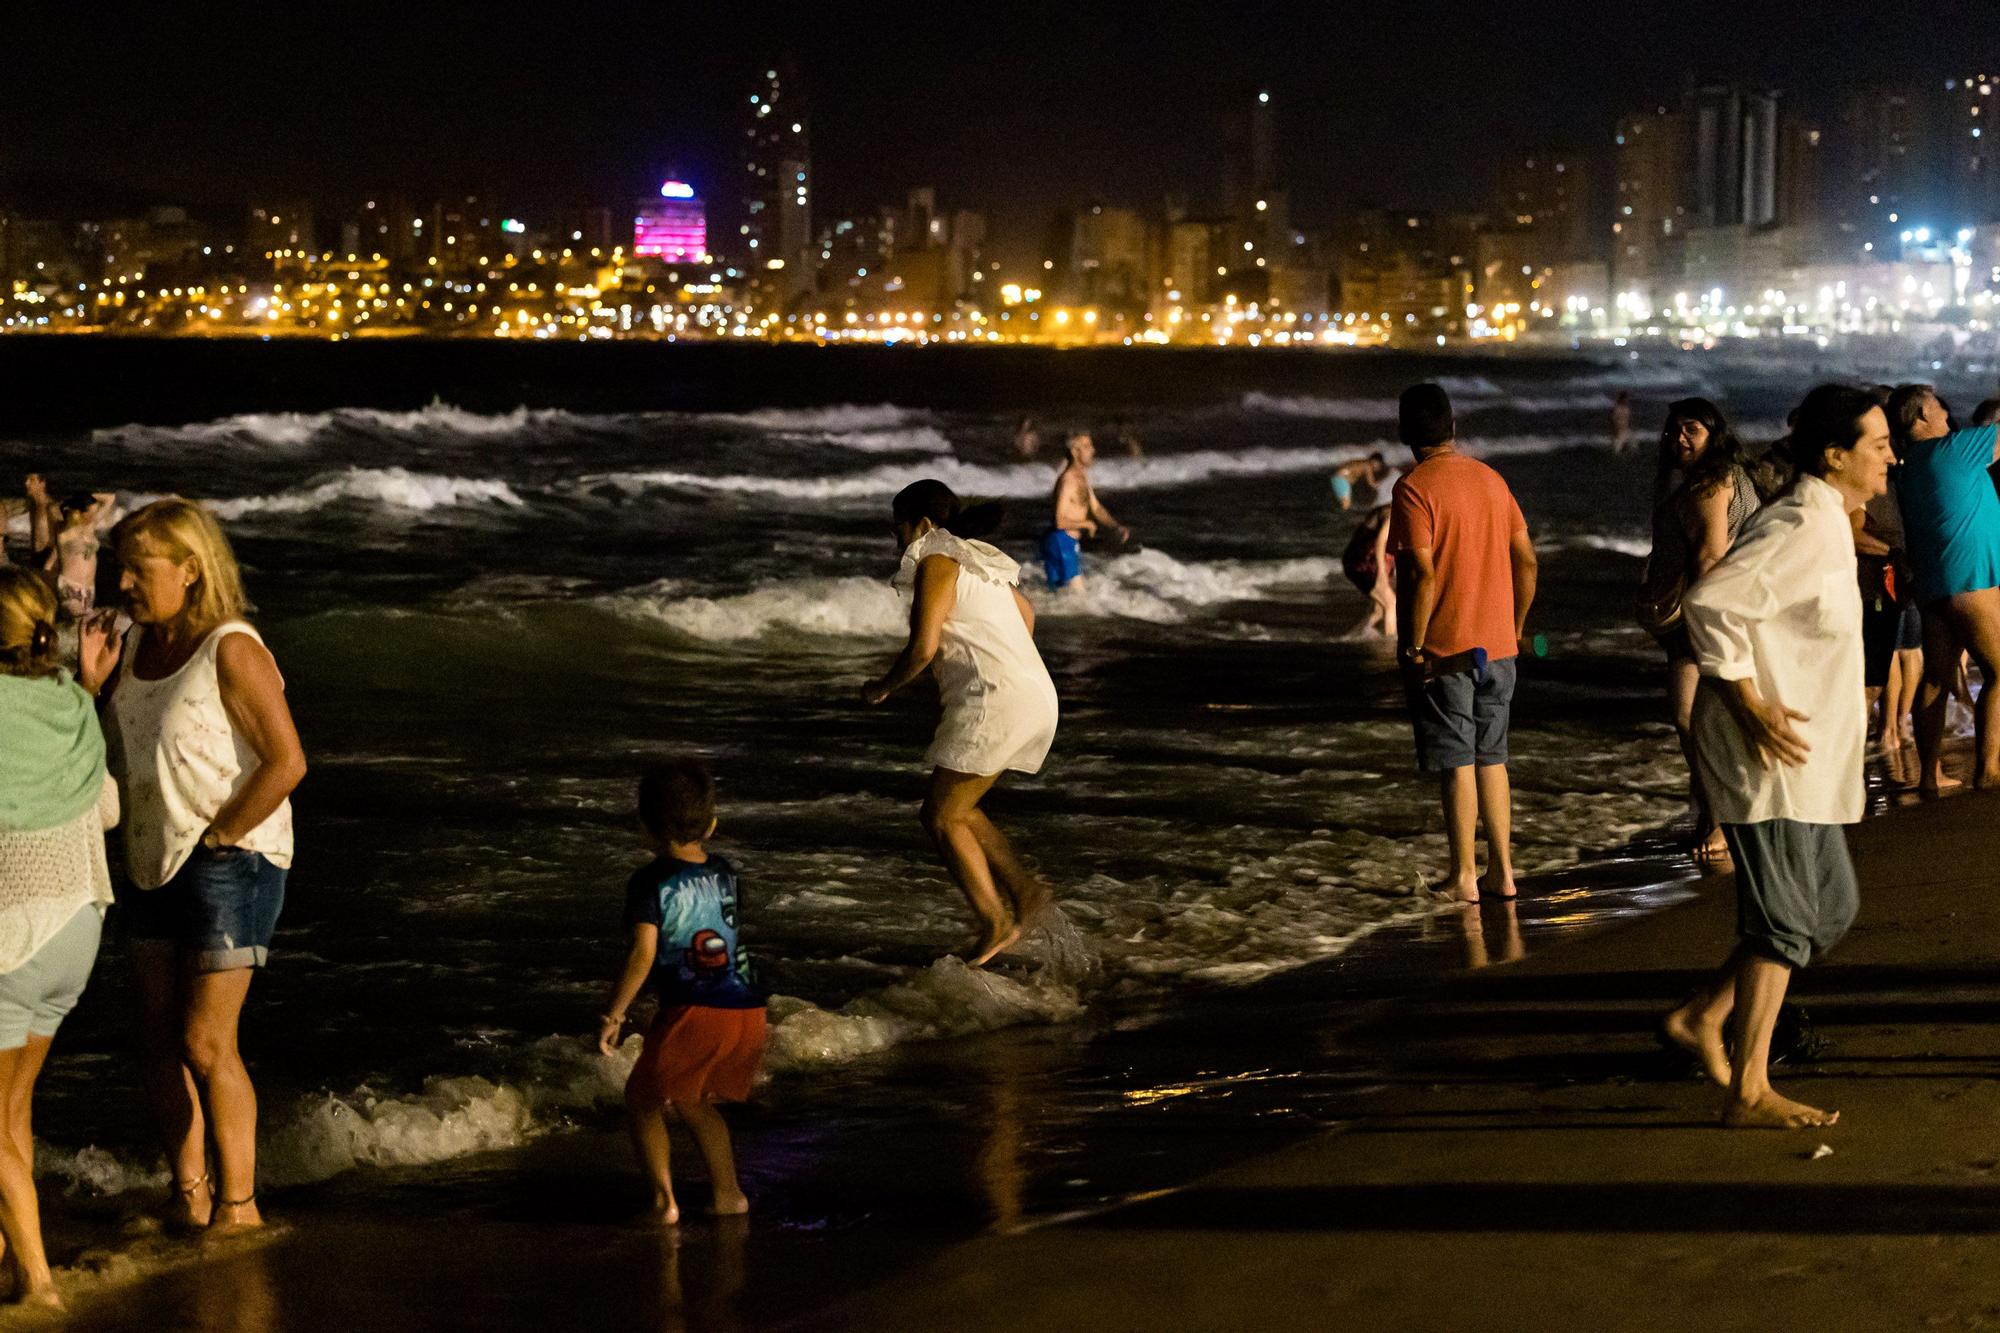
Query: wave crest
point(393, 487)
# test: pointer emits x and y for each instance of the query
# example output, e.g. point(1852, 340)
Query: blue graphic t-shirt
point(693, 905)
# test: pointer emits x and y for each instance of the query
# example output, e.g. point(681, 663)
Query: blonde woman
point(205, 749)
point(55, 803)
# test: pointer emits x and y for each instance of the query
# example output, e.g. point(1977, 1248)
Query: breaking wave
point(391, 487)
point(1154, 472)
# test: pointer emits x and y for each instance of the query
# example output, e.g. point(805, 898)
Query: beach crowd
point(1851, 571)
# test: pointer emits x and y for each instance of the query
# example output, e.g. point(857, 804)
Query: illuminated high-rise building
point(774, 237)
point(672, 226)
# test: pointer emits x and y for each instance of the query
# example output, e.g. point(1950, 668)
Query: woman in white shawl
point(972, 629)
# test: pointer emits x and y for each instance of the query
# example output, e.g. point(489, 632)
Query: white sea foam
point(390, 487)
point(284, 431)
point(1147, 585)
point(839, 419)
point(1153, 472)
point(946, 999)
point(1607, 541)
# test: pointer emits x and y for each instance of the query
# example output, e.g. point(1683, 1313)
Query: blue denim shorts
point(1462, 720)
point(220, 909)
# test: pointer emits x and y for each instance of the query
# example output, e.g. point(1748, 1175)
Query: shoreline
point(861, 1171)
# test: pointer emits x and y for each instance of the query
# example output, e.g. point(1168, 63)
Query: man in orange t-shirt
point(1467, 568)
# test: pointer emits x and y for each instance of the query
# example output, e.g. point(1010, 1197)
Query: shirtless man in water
point(1078, 514)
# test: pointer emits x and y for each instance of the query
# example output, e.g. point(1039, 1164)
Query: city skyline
point(1012, 112)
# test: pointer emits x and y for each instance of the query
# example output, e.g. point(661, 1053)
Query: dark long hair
point(934, 500)
point(1723, 455)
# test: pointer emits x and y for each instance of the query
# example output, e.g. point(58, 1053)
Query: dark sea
point(499, 586)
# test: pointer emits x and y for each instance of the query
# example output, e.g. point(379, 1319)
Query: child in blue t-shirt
point(705, 1043)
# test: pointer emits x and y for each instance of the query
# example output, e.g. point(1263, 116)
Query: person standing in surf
point(971, 628)
point(1781, 727)
point(204, 749)
point(1078, 514)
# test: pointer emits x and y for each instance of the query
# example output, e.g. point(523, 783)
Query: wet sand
point(1409, 1135)
point(1533, 1159)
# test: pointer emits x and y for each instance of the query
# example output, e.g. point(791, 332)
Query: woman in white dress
point(971, 628)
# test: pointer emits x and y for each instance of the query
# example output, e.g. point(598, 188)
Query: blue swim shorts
point(1062, 557)
point(1343, 489)
point(1462, 720)
point(219, 910)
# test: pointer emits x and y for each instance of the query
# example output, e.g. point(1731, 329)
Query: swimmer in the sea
point(72, 555)
point(1078, 514)
point(1373, 470)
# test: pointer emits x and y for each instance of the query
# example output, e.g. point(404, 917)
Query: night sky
point(1013, 108)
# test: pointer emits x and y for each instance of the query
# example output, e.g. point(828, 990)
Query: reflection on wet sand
point(718, 1261)
point(1499, 917)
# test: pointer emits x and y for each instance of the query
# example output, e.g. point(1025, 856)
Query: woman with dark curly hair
point(1702, 496)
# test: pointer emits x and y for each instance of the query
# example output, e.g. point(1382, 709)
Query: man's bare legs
point(1696, 1027)
point(1496, 810)
point(1461, 825)
point(1941, 653)
point(947, 817)
point(1752, 1102)
point(1976, 617)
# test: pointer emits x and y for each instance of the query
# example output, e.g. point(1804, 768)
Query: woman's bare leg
point(169, 1085)
point(947, 816)
point(1682, 678)
point(20, 1211)
point(1029, 892)
point(1941, 653)
point(208, 1046)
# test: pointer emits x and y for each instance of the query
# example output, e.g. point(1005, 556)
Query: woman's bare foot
point(1770, 1111)
point(238, 1215)
point(193, 1204)
point(992, 943)
point(1937, 782)
point(1502, 887)
point(42, 1297)
point(1704, 1043)
point(665, 1211)
point(1032, 902)
point(733, 1204)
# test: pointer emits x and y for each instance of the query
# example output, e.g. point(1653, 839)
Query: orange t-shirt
point(1462, 511)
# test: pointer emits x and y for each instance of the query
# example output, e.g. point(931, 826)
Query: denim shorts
point(1460, 720)
point(220, 909)
point(36, 996)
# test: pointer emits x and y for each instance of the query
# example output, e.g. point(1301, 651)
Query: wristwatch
point(210, 841)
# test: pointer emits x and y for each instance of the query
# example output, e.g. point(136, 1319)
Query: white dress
point(999, 703)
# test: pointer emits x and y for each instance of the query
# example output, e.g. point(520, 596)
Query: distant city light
point(513, 225)
point(677, 190)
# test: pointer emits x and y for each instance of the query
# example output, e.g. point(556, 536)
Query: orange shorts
point(697, 1054)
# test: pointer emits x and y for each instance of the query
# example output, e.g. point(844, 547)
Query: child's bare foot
point(732, 1204)
point(1770, 1111)
point(665, 1211)
point(994, 942)
point(1685, 1029)
point(1501, 886)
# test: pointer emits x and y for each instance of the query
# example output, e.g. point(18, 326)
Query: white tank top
point(181, 761)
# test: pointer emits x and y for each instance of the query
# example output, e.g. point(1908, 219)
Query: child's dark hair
point(934, 500)
point(677, 801)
